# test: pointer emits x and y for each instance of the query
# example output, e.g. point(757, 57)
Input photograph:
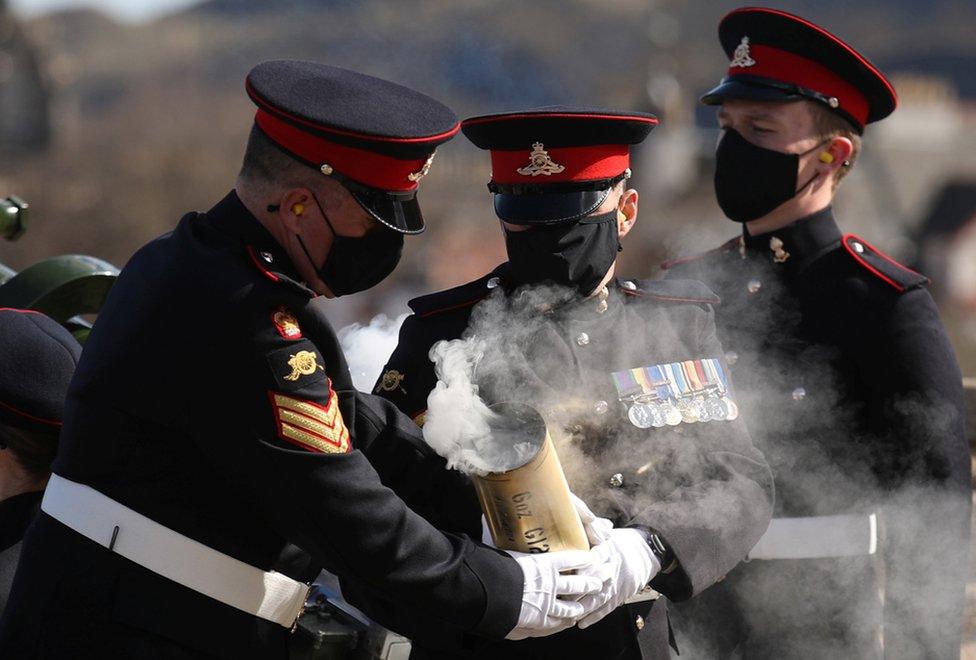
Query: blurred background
point(118, 116)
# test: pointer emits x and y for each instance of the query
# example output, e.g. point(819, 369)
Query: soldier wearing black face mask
point(850, 383)
point(668, 458)
point(212, 423)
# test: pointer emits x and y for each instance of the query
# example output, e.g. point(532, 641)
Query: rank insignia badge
point(540, 163)
point(312, 426)
point(675, 393)
point(286, 324)
point(303, 363)
point(294, 369)
point(392, 380)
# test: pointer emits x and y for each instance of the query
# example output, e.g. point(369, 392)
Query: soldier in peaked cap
point(38, 357)
point(213, 420)
point(651, 409)
point(848, 381)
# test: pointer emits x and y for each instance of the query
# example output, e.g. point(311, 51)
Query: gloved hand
point(554, 584)
point(633, 564)
point(597, 529)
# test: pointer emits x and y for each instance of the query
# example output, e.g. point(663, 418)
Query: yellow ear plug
point(298, 209)
point(826, 157)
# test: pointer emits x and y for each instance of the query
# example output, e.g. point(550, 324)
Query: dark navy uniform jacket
point(703, 487)
point(851, 390)
point(184, 409)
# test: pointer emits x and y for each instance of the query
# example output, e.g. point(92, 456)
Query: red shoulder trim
point(260, 266)
point(724, 247)
point(849, 241)
point(441, 310)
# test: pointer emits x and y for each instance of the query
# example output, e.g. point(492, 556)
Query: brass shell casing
point(528, 508)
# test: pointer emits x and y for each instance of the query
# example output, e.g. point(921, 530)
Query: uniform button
point(601, 407)
point(753, 286)
point(799, 394)
point(267, 257)
point(630, 285)
point(577, 429)
point(639, 623)
point(617, 480)
point(731, 357)
point(493, 282)
point(582, 339)
point(326, 169)
point(858, 248)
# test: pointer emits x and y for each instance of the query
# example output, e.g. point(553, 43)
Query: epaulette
point(459, 297)
point(265, 263)
point(682, 291)
point(881, 265)
point(724, 247)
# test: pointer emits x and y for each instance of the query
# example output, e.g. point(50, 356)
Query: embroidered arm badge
point(311, 425)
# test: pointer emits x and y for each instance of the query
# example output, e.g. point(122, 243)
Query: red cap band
point(576, 163)
point(366, 167)
point(786, 67)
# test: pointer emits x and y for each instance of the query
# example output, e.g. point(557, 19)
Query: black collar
point(797, 245)
point(230, 216)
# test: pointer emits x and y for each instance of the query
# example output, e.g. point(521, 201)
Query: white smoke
point(367, 348)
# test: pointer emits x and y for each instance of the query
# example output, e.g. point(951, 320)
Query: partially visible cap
point(556, 163)
point(376, 137)
point(39, 357)
point(776, 56)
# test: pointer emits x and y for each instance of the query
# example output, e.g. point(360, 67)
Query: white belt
point(267, 595)
point(818, 537)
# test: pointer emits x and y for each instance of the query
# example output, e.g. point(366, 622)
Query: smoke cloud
point(367, 348)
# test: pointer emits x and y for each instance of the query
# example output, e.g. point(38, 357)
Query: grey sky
point(132, 10)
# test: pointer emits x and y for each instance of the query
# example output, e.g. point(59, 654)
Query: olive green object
point(13, 217)
point(61, 287)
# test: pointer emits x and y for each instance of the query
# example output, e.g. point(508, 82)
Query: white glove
point(634, 565)
point(554, 583)
point(597, 529)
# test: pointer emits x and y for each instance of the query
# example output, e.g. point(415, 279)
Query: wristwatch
point(660, 549)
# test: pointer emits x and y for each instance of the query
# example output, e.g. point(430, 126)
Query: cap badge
point(779, 254)
point(302, 363)
point(540, 163)
point(424, 171)
point(741, 57)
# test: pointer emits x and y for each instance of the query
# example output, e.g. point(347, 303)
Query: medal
point(657, 415)
point(672, 416)
point(641, 416)
point(701, 410)
point(733, 409)
point(717, 409)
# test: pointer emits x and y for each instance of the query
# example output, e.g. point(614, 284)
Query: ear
point(833, 156)
point(627, 212)
point(293, 209)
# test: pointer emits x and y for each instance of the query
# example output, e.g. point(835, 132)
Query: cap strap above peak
point(366, 167)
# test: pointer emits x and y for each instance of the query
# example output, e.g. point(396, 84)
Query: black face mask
point(574, 254)
point(357, 263)
point(751, 181)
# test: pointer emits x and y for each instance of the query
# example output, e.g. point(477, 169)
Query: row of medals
point(709, 408)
